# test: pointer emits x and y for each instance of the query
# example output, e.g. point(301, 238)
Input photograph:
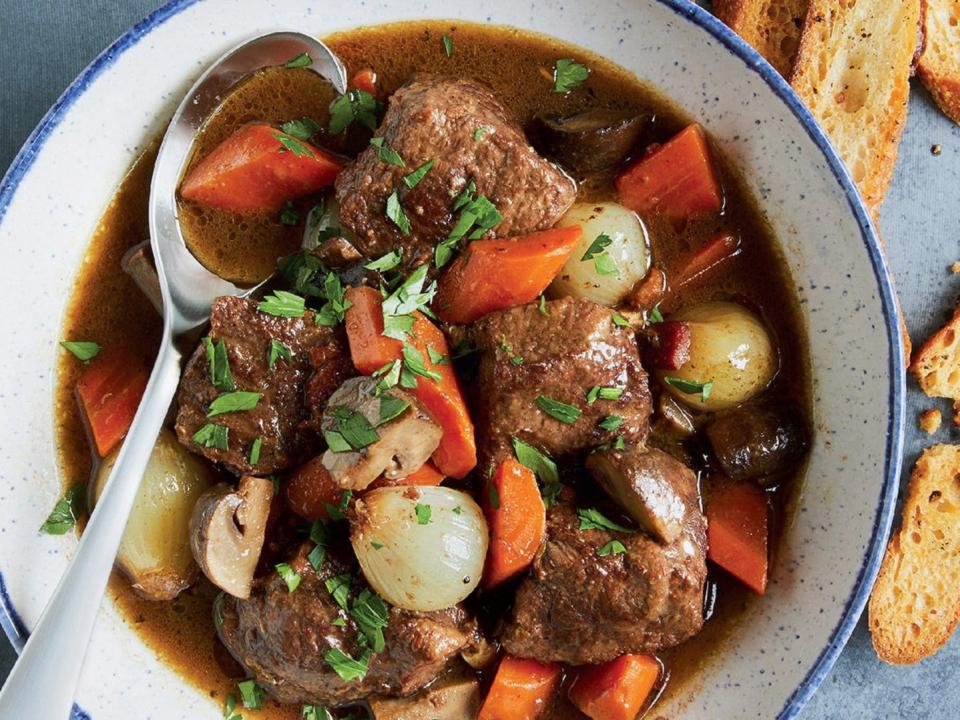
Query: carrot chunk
point(615, 690)
point(521, 690)
point(370, 349)
point(496, 274)
point(517, 520)
point(737, 531)
point(310, 488)
point(677, 179)
point(366, 80)
point(109, 391)
point(714, 251)
point(259, 168)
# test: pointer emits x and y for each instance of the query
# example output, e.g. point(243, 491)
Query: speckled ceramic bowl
point(63, 178)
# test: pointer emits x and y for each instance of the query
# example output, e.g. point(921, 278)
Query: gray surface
point(43, 45)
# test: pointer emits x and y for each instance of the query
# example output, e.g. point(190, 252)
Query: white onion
point(730, 347)
point(155, 550)
point(416, 566)
point(629, 251)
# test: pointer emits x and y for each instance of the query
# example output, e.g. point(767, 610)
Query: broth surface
point(108, 308)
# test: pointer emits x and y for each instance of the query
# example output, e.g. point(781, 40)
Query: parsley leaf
point(315, 712)
point(447, 44)
point(64, 515)
point(568, 74)
point(212, 436)
point(290, 576)
point(387, 154)
point(278, 351)
point(336, 305)
point(294, 146)
point(302, 129)
point(389, 376)
point(220, 375)
point(251, 694)
point(386, 262)
point(405, 300)
point(255, 451)
point(558, 410)
point(236, 401)
point(620, 321)
point(412, 179)
point(339, 588)
point(391, 408)
point(356, 106)
point(370, 613)
point(436, 357)
point(593, 519)
point(301, 60)
point(281, 303)
point(345, 666)
point(423, 513)
point(228, 709)
point(319, 535)
point(611, 423)
point(655, 316)
point(479, 133)
point(396, 215)
point(353, 428)
point(599, 245)
point(530, 457)
point(603, 393)
point(81, 349)
point(414, 362)
point(477, 216)
point(289, 215)
point(614, 547)
point(542, 306)
point(691, 387)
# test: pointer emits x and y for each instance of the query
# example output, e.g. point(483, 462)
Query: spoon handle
point(44, 679)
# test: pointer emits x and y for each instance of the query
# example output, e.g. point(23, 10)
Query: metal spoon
point(44, 679)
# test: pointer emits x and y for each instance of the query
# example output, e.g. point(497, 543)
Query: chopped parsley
point(315, 712)
point(357, 106)
point(611, 423)
point(220, 376)
point(423, 513)
point(457, 510)
point(508, 349)
point(386, 262)
point(339, 588)
point(386, 153)
point(375, 545)
point(447, 44)
point(399, 306)
point(542, 306)
point(302, 129)
point(370, 613)
point(389, 376)
point(558, 410)
point(568, 74)
point(293, 145)
point(493, 494)
point(301, 60)
point(614, 547)
point(414, 362)
point(691, 387)
point(81, 349)
point(281, 303)
point(229, 707)
point(391, 408)
point(602, 262)
point(593, 519)
point(64, 515)
point(620, 321)
point(212, 436)
point(479, 133)
point(353, 430)
point(290, 576)
point(251, 694)
point(336, 306)
point(542, 465)
point(345, 666)
point(603, 393)
point(236, 401)
point(436, 357)
point(477, 216)
point(412, 180)
point(255, 451)
point(289, 215)
point(655, 316)
point(319, 535)
point(278, 351)
point(396, 215)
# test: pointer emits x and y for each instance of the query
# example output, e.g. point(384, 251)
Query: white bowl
point(64, 176)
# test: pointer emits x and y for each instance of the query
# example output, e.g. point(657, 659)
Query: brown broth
point(107, 307)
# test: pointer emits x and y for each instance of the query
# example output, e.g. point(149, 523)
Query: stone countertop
point(920, 221)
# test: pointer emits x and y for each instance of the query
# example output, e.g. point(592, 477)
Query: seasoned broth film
point(512, 426)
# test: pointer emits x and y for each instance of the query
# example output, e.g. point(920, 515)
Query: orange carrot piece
point(110, 390)
point(737, 530)
point(496, 274)
point(310, 488)
point(366, 80)
point(426, 474)
point(615, 690)
point(521, 690)
point(677, 179)
point(443, 398)
point(713, 252)
point(259, 168)
point(517, 520)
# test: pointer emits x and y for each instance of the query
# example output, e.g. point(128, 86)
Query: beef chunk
point(435, 118)
point(562, 355)
point(286, 418)
point(281, 638)
point(577, 607)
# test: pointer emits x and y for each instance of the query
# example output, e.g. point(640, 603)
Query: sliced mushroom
point(337, 251)
point(226, 532)
point(590, 142)
point(652, 486)
point(398, 442)
point(453, 696)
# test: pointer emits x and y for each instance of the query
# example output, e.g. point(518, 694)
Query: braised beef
point(436, 118)
point(757, 440)
point(290, 391)
point(281, 637)
point(577, 607)
point(562, 355)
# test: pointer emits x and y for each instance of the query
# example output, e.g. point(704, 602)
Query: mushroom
point(590, 142)
point(226, 532)
point(650, 485)
point(371, 435)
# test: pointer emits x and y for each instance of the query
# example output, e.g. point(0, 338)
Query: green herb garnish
point(611, 423)
point(391, 408)
point(479, 133)
point(236, 401)
point(396, 215)
point(281, 303)
point(603, 393)
point(336, 306)
point(81, 349)
point(255, 451)
point(251, 694)
point(414, 362)
point(290, 576)
point(386, 262)
point(416, 176)
point(542, 306)
point(542, 464)
point(370, 613)
point(620, 321)
point(345, 666)
point(293, 145)
point(302, 129)
point(339, 588)
point(212, 436)
point(614, 547)
point(301, 60)
point(447, 44)
point(691, 387)
point(568, 74)
point(353, 428)
point(356, 106)
point(423, 513)
point(655, 316)
point(220, 376)
point(593, 519)
point(278, 351)
point(387, 154)
point(64, 515)
point(558, 410)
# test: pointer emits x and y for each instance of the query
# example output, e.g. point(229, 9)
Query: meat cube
point(561, 355)
point(437, 118)
point(286, 418)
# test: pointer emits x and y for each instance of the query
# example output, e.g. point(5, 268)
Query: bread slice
point(773, 27)
point(937, 364)
point(915, 604)
point(939, 67)
point(853, 71)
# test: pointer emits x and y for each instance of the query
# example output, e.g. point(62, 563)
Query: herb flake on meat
point(251, 694)
point(614, 547)
point(357, 106)
point(411, 180)
point(345, 666)
point(289, 576)
point(255, 451)
point(220, 376)
point(278, 351)
point(212, 436)
point(396, 215)
point(236, 401)
point(558, 410)
point(387, 154)
point(593, 519)
point(281, 303)
point(447, 44)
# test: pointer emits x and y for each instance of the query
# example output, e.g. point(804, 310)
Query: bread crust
point(773, 27)
point(939, 67)
point(936, 364)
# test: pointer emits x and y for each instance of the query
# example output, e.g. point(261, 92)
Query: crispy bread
point(939, 67)
point(853, 70)
point(937, 364)
point(773, 27)
point(915, 603)
point(930, 420)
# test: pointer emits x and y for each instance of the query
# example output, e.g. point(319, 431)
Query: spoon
point(44, 679)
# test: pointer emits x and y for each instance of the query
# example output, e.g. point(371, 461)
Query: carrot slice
point(615, 690)
point(737, 531)
point(496, 274)
point(259, 168)
point(517, 520)
point(310, 488)
point(366, 80)
point(109, 391)
point(443, 398)
point(521, 690)
point(677, 179)
point(713, 252)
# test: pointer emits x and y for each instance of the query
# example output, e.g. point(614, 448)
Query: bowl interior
point(58, 188)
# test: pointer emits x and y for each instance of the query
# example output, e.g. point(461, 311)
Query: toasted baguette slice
point(937, 364)
point(939, 67)
point(915, 603)
point(853, 72)
point(773, 27)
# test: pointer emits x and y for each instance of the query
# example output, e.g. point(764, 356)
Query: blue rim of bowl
point(855, 603)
